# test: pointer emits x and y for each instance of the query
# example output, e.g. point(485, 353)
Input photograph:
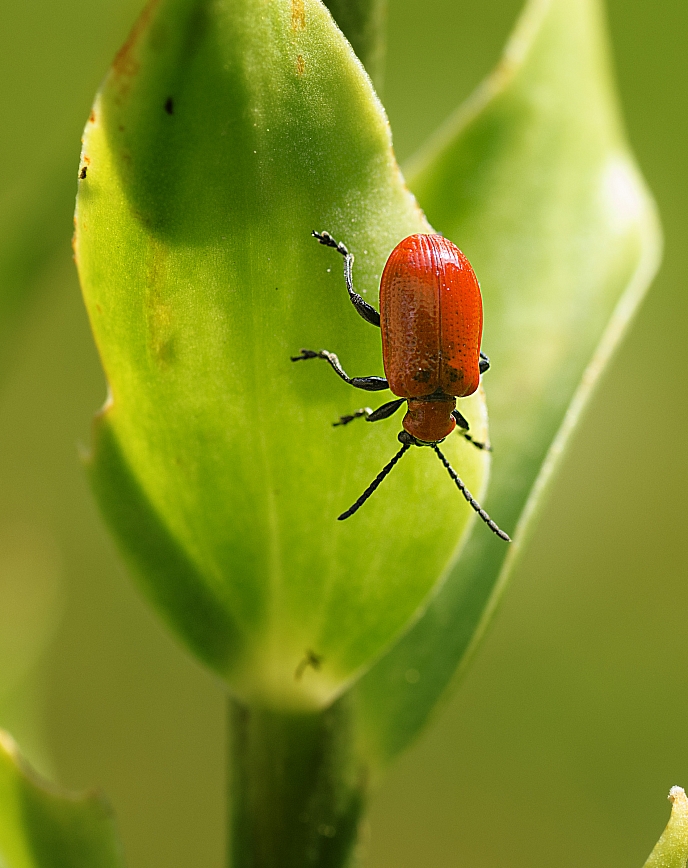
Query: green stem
point(297, 790)
point(363, 22)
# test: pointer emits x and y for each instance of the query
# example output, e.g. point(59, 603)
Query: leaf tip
point(678, 795)
point(671, 851)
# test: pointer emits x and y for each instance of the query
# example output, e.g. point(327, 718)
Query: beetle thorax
point(430, 419)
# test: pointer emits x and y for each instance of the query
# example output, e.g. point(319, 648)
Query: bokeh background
point(563, 741)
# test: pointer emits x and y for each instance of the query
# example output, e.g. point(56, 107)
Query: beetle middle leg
point(363, 309)
point(462, 424)
point(368, 384)
point(383, 412)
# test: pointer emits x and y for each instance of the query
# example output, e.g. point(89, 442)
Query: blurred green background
point(565, 738)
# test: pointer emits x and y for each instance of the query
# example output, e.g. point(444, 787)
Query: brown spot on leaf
point(92, 117)
point(159, 311)
point(300, 65)
point(82, 173)
point(125, 63)
point(298, 15)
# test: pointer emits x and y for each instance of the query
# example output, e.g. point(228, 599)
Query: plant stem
point(363, 23)
point(297, 790)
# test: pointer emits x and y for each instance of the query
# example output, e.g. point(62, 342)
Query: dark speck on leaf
point(82, 173)
point(169, 105)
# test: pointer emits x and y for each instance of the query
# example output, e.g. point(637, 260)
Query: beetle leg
point(366, 412)
point(462, 423)
point(368, 384)
point(460, 420)
point(383, 412)
point(484, 363)
point(363, 309)
point(477, 443)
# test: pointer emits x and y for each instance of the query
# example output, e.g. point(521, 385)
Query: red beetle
point(431, 320)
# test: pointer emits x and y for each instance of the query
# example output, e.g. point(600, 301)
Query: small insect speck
point(82, 173)
point(169, 105)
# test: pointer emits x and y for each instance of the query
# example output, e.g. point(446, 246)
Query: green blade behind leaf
point(534, 181)
point(43, 827)
point(224, 134)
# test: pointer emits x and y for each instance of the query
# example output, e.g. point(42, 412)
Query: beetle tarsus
point(344, 420)
point(484, 363)
point(326, 239)
point(305, 354)
point(477, 443)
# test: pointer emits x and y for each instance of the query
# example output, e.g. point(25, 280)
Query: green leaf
point(533, 179)
point(224, 134)
point(671, 851)
point(363, 23)
point(43, 827)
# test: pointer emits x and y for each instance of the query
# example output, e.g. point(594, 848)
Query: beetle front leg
point(368, 384)
point(462, 424)
point(383, 412)
point(363, 309)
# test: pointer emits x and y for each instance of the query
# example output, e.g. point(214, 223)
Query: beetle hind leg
point(463, 428)
point(363, 309)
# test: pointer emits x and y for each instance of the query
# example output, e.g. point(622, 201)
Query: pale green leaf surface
point(671, 851)
point(534, 181)
point(215, 459)
point(363, 23)
point(43, 827)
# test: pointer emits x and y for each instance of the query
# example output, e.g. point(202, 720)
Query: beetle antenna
point(386, 470)
point(469, 497)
